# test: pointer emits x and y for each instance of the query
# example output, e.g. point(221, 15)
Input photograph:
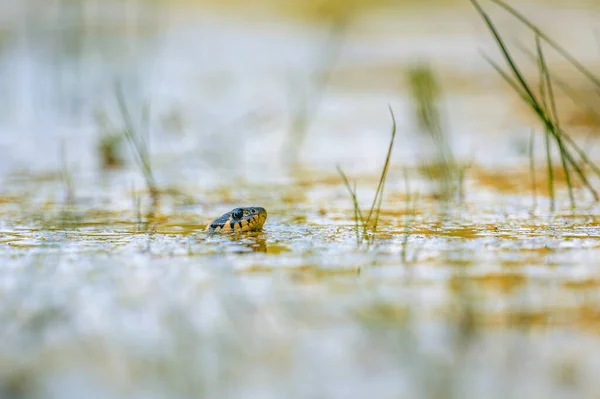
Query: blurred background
point(312, 79)
point(128, 125)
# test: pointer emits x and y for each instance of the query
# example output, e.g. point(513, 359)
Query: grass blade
point(553, 113)
point(360, 222)
point(358, 218)
point(522, 88)
point(379, 192)
point(532, 168)
point(578, 65)
point(138, 143)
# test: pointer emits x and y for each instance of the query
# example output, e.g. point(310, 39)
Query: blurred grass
point(138, 139)
point(325, 11)
point(109, 145)
point(306, 105)
point(329, 8)
point(573, 158)
point(444, 170)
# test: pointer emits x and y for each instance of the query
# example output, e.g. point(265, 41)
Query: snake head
point(251, 218)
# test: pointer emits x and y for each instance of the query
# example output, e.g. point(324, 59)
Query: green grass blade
point(522, 88)
point(564, 87)
point(532, 168)
point(578, 65)
point(379, 192)
point(553, 113)
point(358, 218)
point(504, 50)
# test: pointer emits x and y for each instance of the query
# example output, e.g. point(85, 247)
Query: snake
point(239, 220)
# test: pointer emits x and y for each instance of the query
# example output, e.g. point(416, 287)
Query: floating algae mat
point(436, 265)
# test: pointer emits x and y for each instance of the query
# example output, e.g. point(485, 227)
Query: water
point(104, 295)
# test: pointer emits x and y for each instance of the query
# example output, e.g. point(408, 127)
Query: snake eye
point(237, 213)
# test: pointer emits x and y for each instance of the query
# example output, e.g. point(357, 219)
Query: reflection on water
point(237, 243)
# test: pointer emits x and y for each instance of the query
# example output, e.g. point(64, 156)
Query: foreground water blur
point(106, 294)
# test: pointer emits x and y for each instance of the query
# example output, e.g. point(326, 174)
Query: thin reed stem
point(358, 218)
point(138, 143)
point(553, 114)
point(532, 168)
point(379, 192)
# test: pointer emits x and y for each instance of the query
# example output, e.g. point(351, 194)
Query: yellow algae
point(518, 181)
point(520, 260)
point(521, 318)
point(387, 313)
point(293, 197)
point(588, 317)
point(315, 274)
point(466, 232)
point(586, 284)
point(259, 269)
point(276, 249)
point(457, 262)
point(304, 273)
point(505, 282)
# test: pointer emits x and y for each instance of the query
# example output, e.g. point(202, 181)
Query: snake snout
point(260, 210)
point(262, 216)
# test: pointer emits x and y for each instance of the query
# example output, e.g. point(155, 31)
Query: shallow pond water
point(106, 295)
